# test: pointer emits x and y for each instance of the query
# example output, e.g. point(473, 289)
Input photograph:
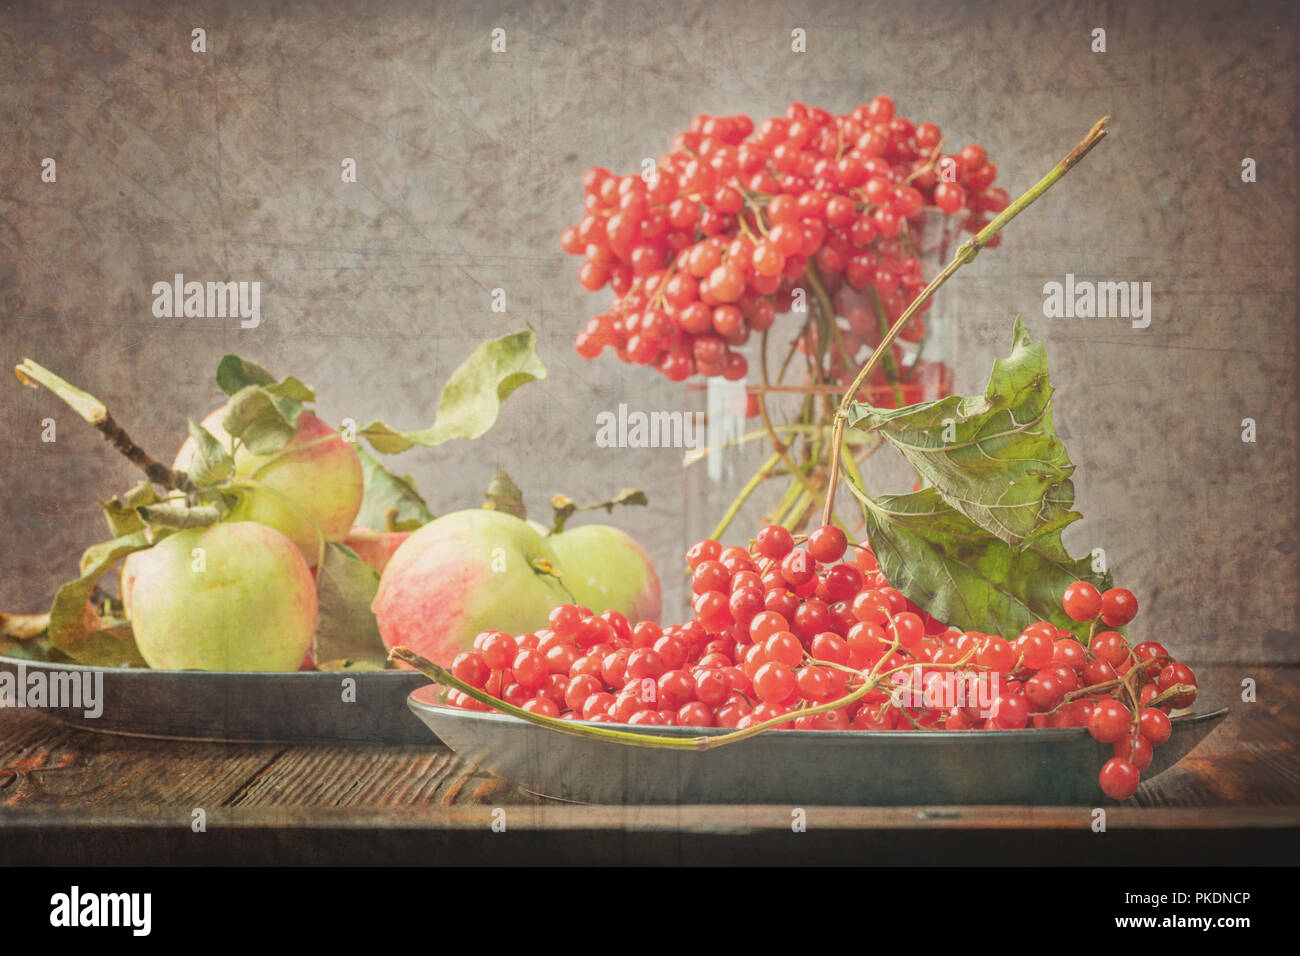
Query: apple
point(607, 570)
point(376, 548)
point(234, 596)
point(314, 482)
point(466, 572)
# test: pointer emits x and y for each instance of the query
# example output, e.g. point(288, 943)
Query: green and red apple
point(235, 596)
point(313, 484)
point(480, 570)
point(607, 570)
point(466, 572)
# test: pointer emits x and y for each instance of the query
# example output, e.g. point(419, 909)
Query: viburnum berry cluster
point(794, 623)
point(710, 244)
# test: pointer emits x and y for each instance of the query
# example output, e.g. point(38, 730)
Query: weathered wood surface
point(67, 795)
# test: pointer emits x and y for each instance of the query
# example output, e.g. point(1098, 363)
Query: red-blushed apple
point(376, 548)
point(314, 482)
point(607, 570)
point(235, 596)
point(466, 572)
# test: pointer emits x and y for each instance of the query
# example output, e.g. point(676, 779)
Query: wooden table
point(70, 797)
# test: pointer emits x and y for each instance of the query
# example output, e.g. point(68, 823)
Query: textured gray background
point(226, 166)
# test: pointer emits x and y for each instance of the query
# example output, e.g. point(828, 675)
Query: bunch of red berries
point(793, 623)
point(713, 241)
point(1127, 692)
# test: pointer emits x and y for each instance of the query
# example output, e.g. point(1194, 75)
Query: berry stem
point(965, 254)
point(734, 508)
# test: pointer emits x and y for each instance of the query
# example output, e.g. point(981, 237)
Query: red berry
point(774, 682)
point(1134, 748)
point(1119, 778)
point(1173, 675)
point(774, 542)
point(1118, 607)
point(1154, 725)
point(1081, 601)
point(1110, 721)
point(1110, 646)
point(798, 568)
point(827, 544)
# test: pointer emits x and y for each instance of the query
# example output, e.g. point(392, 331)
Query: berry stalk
point(965, 254)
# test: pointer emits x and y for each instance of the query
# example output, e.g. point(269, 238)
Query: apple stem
point(96, 413)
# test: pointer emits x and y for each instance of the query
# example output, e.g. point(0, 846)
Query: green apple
point(313, 483)
point(466, 572)
point(235, 596)
point(607, 570)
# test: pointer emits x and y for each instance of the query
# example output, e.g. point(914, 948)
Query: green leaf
point(503, 494)
point(563, 507)
point(77, 629)
point(293, 389)
point(256, 419)
point(967, 577)
point(211, 463)
point(346, 629)
point(391, 502)
point(235, 374)
point(177, 515)
point(120, 510)
point(472, 397)
point(995, 457)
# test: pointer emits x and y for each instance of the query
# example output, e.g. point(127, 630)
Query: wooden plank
point(45, 764)
point(315, 775)
point(563, 835)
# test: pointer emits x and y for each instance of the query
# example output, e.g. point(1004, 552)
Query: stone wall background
point(225, 165)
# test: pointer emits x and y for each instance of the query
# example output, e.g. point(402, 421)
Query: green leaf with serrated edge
point(994, 457)
point(963, 575)
point(472, 397)
point(76, 628)
point(235, 373)
point(385, 494)
point(346, 628)
point(211, 463)
point(503, 494)
point(119, 511)
point(255, 418)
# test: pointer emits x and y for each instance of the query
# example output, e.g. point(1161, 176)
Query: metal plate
point(794, 767)
point(243, 707)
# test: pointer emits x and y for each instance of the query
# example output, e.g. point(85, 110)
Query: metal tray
point(794, 767)
point(243, 707)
